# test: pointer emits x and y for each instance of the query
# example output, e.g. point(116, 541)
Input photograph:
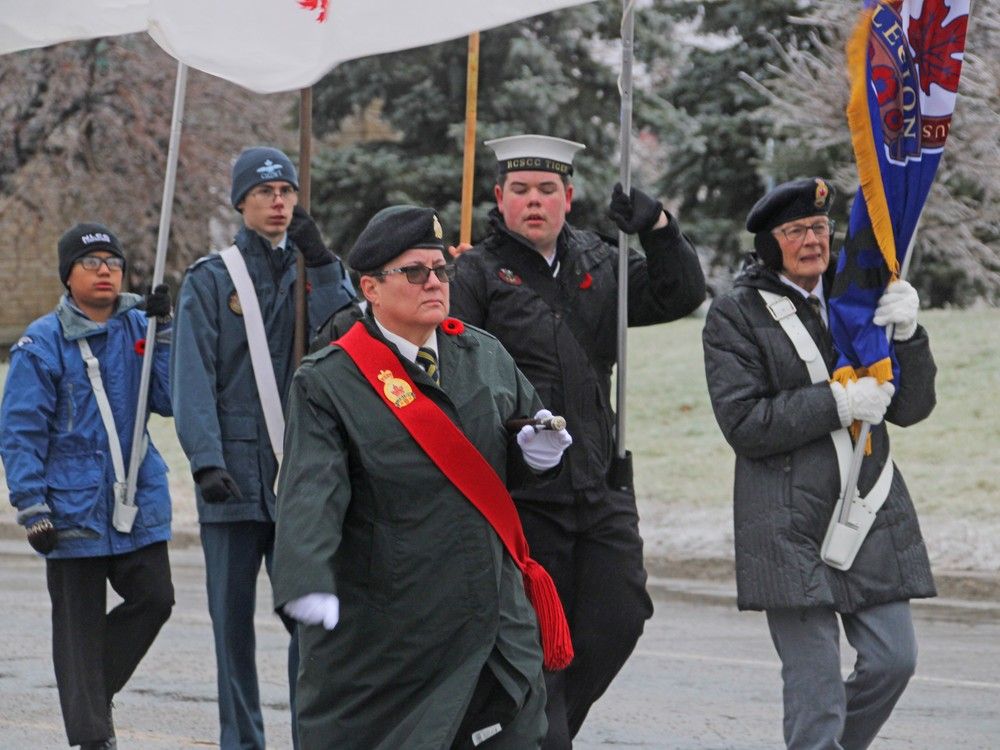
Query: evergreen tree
point(718, 164)
point(555, 74)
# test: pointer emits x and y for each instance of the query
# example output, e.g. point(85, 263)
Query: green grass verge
point(684, 468)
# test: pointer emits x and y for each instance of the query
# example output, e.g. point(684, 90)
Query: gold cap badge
point(438, 232)
point(822, 191)
point(397, 391)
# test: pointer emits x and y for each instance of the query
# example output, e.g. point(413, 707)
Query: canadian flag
point(265, 45)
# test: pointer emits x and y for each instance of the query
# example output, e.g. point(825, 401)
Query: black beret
point(393, 231)
point(788, 201)
point(81, 240)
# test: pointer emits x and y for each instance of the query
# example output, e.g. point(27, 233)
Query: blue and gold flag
point(904, 60)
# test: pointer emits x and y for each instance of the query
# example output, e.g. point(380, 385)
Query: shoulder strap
point(124, 509)
point(839, 548)
point(260, 353)
point(464, 466)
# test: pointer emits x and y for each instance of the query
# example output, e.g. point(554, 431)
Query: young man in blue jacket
point(221, 419)
point(59, 452)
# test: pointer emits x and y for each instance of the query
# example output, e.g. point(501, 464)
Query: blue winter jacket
point(53, 441)
point(217, 413)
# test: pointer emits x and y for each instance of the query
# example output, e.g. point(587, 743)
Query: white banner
point(262, 45)
point(25, 24)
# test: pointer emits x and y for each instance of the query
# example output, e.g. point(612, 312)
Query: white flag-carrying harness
point(125, 508)
point(842, 540)
point(260, 352)
point(264, 45)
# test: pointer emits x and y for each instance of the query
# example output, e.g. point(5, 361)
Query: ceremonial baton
point(547, 423)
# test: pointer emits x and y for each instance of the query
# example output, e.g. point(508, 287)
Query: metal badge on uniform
point(509, 277)
point(234, 303)
point(397, 391)
point(23, 341)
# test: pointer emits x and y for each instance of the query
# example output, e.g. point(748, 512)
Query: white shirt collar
point(407, 348)
point(816, 292)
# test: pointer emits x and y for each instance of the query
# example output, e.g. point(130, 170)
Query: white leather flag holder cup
point(843, 540)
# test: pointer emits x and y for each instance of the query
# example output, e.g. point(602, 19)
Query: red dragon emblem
point(317, 5)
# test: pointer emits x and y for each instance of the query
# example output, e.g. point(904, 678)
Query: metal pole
point(162, 239)
point(625, 177)
point(469, 155)
point(850, 488)
point(305, 196)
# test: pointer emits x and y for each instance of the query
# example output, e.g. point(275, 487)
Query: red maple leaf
point(320, 5)
point(935, 45)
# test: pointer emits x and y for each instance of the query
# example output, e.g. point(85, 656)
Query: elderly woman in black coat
point(768, 355)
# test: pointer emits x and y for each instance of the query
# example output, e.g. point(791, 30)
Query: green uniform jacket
point(428, 595)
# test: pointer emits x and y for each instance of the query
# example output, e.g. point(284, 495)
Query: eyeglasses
point(797, 233)
point(268, 194)
point(418, 274)
point(94, 262)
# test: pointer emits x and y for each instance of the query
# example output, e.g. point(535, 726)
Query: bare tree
point(84, 129)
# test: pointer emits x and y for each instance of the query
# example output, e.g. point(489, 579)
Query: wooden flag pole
point(469, 154)
point(305, 189)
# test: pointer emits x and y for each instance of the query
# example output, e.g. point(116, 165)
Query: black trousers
point(94, 651)
point(593, 551)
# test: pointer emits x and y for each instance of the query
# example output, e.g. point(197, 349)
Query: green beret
point(797, 199)
point(393, 231)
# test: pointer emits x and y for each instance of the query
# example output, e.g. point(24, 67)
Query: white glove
point(898, 306)
point(315, 609)
point(543, 449)
point(863, 400)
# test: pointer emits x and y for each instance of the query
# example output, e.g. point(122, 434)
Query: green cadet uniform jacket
point(428, 594)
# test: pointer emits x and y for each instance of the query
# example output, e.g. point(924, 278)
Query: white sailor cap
point(535, 153)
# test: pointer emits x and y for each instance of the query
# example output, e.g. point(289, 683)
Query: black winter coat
point(787, 481)
point(562, 329)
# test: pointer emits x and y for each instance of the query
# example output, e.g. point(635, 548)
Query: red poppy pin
point(452, 326)
point(309, 287)
point(140, 347)
point(509, 277)
point(587, 282)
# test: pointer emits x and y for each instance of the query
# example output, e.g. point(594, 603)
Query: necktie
point(814, 305)
point(427, 359)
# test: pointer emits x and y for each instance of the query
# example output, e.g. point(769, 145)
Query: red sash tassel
point(464, 466)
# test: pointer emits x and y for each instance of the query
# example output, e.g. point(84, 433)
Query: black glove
point(637, 213)
point(216, 485)
point(305, 234)
point(42, 536)
point(157, 302)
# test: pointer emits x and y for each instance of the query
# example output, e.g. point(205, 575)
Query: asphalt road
point(703, 677)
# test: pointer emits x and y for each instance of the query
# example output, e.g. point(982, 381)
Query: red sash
point(473, 476)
